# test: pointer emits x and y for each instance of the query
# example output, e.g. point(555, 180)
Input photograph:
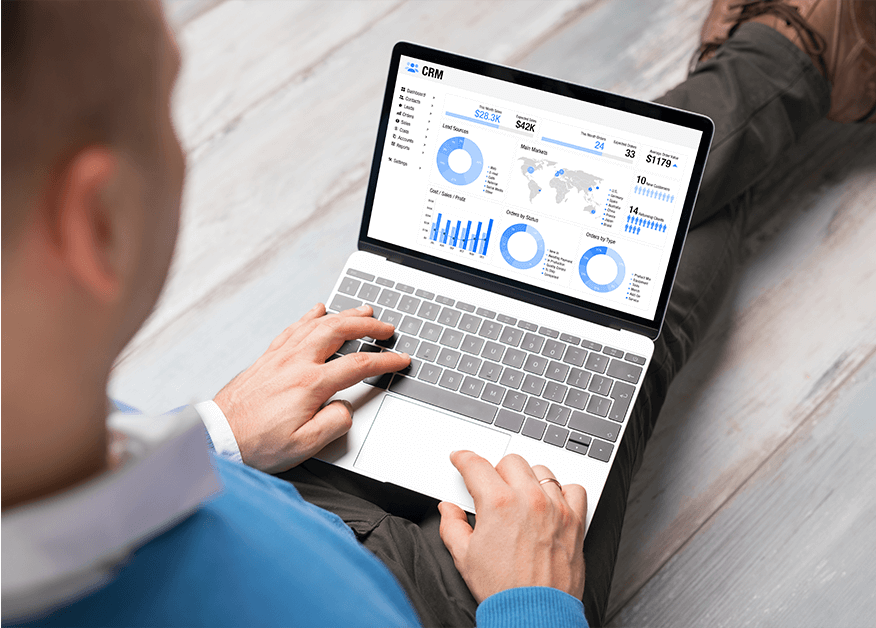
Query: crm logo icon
point(413, 67)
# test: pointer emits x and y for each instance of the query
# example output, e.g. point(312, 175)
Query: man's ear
point(83, 225)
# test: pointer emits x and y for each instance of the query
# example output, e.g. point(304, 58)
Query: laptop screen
point(521, 178)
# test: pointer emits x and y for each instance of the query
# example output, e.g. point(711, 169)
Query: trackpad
point(410, 445)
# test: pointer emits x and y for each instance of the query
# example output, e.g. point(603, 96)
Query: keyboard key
point(408, 304)
point(514, 400)
point(444, 300)
point(412, 369)
point(443, 398)
point(508, 320)
point(391, 317)
point(579, 443)
point(406, 344)
point(558, 414)
point(428, 351)
point(493, 351)
point(509, 420)
point(511, 336)
point(450, 379)
point(578, 378)
point(511, 378)
point(635, 359)
point(534, 428)
point(493, 393)
point(470, 364)
point(473, 344)
point(410, 325)
point(527, 326)
point(556, 435)
point(389, 343)
point(596, 363)
point(430, 373)
point(351, 346)
point(340, 303)
point(389, 298)
point(587, 344)
point(600, 451)
point(449, 317)
point(448, 358)
point(598, 405)
point(403, 288)
point(470, 323)
point(575, 356)
point(472, 387)
point(615, 353)
point(626, 372)
point(535, 364)
point(369, 292)
point(429, 310)
point(368, 348)
point(465, 306)
point(431, 331)
point(451, 338)
point(600, 385)
point(490, 371)
point(349, 286)
point(358, 273)
point(546, 331)
point(591, 425)
point(485, 313)
point(536, 407)
point(555, 392)
point(375, 311)
point(491, 330)
point(622, 395)
point(532, 343)
point(570, 339)
point(533, 385)
point(385, 282)
point(577, 399)
point(553, 349)
point(514, 357)
point(557, 371)
point(379, 381)
point(425, 294)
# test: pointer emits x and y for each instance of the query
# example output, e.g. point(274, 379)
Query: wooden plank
point(794, 546)
point(804, 300)
point(258, 184)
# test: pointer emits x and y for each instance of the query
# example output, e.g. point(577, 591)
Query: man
point(131, 526)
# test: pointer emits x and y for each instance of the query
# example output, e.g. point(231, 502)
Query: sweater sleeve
point(526, 607)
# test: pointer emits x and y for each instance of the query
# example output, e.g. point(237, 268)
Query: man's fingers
point(454, 530)
point(329, 333)
point(353, 368)
point(480, 478)
point(332, 421)
point(315, 312)
point(576, 497)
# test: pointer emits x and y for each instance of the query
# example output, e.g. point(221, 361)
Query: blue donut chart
point(477, 160)
point(615, 283)
point(539, 242)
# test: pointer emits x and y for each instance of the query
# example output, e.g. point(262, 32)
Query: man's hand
point(527, 534)
point(275, 407)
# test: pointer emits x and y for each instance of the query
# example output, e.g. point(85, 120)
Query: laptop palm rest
point(409, 444)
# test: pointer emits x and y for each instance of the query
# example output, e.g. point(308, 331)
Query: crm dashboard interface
point(552, 191)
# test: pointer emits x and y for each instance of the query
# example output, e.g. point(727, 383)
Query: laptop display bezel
point(541, 297)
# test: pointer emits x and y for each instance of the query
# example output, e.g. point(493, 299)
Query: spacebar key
point(445, 399)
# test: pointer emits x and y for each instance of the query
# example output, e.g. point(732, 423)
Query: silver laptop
point(522, 234)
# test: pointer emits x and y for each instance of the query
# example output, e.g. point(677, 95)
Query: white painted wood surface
point(755, 500)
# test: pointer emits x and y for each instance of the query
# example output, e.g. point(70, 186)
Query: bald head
point(75, 73)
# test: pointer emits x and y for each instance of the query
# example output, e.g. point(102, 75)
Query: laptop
point(522, 234)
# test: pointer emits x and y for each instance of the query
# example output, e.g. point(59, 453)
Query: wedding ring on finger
point(554, 480)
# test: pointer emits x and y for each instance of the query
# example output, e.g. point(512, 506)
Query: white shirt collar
point(59, 548)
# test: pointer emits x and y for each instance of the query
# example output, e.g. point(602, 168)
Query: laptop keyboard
point(551, 386)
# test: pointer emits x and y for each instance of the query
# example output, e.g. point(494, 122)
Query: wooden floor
point(756, 501)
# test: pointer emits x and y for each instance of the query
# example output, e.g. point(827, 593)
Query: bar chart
point(463, 234)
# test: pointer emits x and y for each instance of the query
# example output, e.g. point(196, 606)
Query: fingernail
point(363, 308)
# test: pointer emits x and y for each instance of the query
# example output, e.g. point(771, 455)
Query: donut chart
point(615, 283)
point(477, 160)
point(539, 243)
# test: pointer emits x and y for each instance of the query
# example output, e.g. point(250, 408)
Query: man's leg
point(762, 93)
